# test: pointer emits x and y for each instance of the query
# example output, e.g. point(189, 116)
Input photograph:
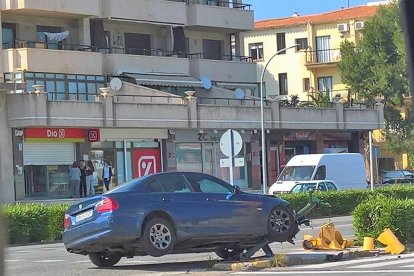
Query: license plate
point(84, 215)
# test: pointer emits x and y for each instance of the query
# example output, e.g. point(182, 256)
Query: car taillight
point(66, 222)
point(106, 205)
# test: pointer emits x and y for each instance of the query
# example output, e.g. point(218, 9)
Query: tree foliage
point(375, 68)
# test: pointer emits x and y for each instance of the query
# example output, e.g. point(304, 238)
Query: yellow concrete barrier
point(328, 239)
point(394, 246)
point(368, 244)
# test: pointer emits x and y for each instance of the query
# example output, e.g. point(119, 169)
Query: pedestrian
point(82, 188)
point(107, 174)
point(90, 185)
point(74, 179)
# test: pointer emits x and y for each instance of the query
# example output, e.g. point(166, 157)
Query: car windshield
point(291, 173)
point(127, 186)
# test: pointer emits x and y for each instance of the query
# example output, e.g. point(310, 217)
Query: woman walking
point(107, 174)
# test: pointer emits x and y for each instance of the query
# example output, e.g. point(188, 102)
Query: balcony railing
point(219, 3)
point(223, 57)
point(231, 102)
point(144, 52)
point(51, 46)
point(323, 56)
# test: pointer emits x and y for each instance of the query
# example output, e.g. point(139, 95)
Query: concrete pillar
point(339, 107)
point(108, 111)
point(275, 114)
point(192, 112)
point(84, 31)
point(380, 114)
point(320, 143)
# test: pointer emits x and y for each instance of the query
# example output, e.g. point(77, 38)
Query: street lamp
point(264, 161)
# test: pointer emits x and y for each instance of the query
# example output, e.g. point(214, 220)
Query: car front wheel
point(281, 224)
point(104, 260)
point(158, 237)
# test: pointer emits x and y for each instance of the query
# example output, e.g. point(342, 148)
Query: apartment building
point(148, 85)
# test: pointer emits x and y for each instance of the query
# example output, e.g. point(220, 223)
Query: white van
point(347, 170)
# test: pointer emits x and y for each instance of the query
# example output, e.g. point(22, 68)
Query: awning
point(166, 80)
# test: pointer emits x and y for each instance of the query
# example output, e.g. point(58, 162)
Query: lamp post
point(264, 161)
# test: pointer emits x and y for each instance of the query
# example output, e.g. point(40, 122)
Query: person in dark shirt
point(89, 170)
point(82, 188)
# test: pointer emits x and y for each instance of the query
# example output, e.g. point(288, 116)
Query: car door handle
point(210, 200)
point(167, 199)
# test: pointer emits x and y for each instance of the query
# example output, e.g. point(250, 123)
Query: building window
point(325, 85)
point(302, 44)
point(61, 86)
point(306, 84)
point(137, 44)
point(281, 42)
point(212, 49)
point(256, 51)
point(8, 35)
point(283, 84)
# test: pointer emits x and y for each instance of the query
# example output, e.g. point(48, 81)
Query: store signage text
point(54, 134)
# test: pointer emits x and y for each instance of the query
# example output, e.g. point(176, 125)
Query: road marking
point(49, 261)
point(86, 261)
point(358, 261)
point(322, 272)
point(13, 261)
point(399, 261)
point(140, 262)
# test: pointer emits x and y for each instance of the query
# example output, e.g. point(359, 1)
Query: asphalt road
point(52, 259)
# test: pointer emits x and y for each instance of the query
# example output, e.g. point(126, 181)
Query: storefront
point(48, 154)
point(199, 151)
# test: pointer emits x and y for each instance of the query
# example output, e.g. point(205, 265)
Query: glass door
point(323, 49)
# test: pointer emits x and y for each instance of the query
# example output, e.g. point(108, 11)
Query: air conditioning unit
point(359, 25)
point(342, 28)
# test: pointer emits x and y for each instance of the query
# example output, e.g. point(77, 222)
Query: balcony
point(117, 60)
point(171, 112)
point(211, 14)
point(69, 59)
point(150, 11)
point(322, 58)
point(228, 69)
point(73, 8)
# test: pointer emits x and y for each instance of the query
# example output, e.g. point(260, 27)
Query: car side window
point(205, 184)
point(174, 183)
point(322, 187)
point(330, 186)
point(155, 186)
point(320, 173)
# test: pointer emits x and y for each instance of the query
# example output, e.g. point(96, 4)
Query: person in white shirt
point(107, 174)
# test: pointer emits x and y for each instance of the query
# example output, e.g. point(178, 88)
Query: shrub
point(382, 211)
point(34, 222)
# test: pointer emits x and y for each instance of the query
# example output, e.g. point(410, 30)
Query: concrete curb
point(293, 259)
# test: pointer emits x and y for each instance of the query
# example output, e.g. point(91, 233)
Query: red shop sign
point(54, 134)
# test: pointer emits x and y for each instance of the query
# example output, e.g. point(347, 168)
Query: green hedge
point(379, 212)
point(34, 222)
point(344, 202)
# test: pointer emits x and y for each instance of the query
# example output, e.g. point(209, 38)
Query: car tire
point(158, 237)
point(104, 260)
point(281, 224)
point(229, 253)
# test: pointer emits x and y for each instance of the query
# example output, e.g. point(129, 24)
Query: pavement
point(296, 258)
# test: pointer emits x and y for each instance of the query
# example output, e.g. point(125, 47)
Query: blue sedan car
point(175, 212)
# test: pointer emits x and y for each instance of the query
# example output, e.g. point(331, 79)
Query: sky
point(267, 9)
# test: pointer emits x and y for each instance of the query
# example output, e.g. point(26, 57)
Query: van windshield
point(292, 173)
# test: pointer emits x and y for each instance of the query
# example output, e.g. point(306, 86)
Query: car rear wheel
point(158, 237)
point(103, 259)
point(281, 224)
point(229, 253)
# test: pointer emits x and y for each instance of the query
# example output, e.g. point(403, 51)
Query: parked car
point(175, 212)
point(318, 185)
point(397, 176)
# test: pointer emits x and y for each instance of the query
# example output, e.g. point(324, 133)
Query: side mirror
point(236, 189)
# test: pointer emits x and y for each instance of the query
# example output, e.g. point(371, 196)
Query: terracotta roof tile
point(339, 15)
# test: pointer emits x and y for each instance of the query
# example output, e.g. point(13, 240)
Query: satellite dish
point(239, 93)
point(206, 83)
point(115, 84)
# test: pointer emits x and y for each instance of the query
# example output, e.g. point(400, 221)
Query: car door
point(231, 214)
point(187, 209)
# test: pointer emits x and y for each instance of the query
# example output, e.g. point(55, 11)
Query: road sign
point(225, 162)
point(231, 143)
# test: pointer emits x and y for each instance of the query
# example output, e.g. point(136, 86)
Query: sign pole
point(231, 157)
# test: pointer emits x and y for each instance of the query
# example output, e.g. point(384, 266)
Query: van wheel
point(281, 224)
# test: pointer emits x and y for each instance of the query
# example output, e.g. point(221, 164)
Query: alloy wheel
point(160, 236)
